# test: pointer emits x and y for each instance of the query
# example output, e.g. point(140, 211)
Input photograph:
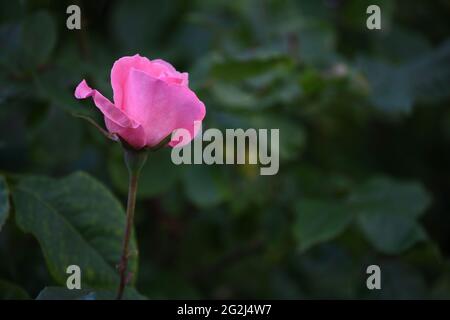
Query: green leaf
point(319, 221)
point(387, 211)
point(11, 291)
point(60, 293)
point(395, 88)
point(4, 201)
point(383, 195)
point(76, 221)
point(390, 87)
point(391, 234)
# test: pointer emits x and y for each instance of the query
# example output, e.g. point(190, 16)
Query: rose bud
point(151, 101)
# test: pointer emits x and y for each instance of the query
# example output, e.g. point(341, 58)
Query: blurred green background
point(364, 176)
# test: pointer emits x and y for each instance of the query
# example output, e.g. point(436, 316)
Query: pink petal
point(161, 107)
point(116, 120)
point(181, 79)
point(173, 75)
point(133, 136)
point(156, 68)
point(119, 75)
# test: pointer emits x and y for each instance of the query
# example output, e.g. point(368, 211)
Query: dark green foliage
point(364, 151)
point(76, 221)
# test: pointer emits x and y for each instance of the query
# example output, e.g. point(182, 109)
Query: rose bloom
point(151, 101)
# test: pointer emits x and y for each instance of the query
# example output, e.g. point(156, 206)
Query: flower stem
point(134, 161)
point(126, 240)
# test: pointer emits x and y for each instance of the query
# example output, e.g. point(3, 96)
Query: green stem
point(134, 161)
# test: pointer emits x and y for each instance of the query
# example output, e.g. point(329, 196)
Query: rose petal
point(119, 75)
point(116, 120)
point(133, 136)
point(161, 107)
point(173, 76)
point(156, 68)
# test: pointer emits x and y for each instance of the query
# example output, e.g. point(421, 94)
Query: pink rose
point(151, 100)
